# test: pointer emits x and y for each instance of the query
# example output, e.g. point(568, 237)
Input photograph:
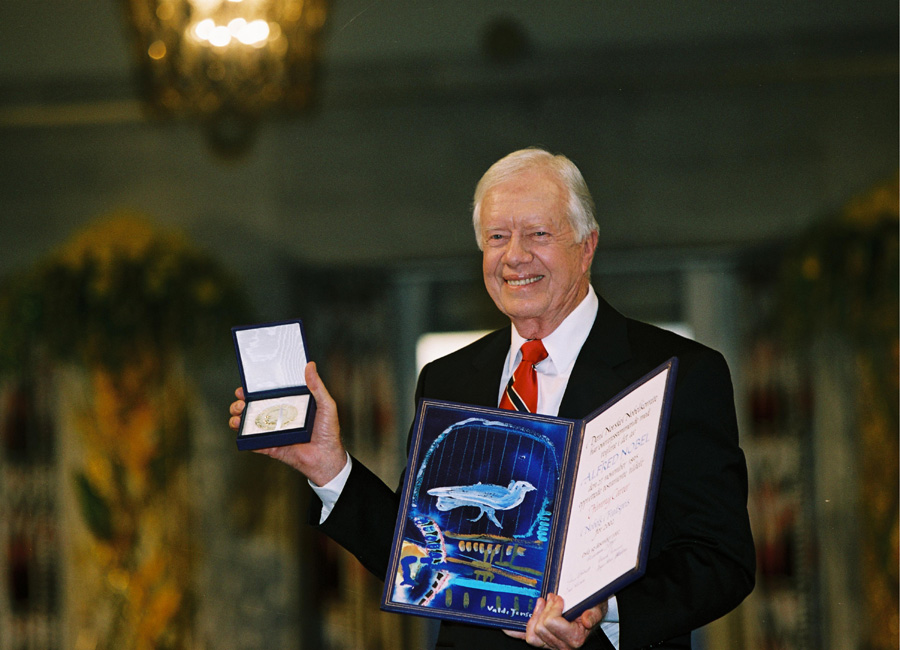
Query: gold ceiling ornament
point(227, 62)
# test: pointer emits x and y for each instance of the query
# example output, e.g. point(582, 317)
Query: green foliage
point(95, 511)
point(119, 286)
point(844, 277)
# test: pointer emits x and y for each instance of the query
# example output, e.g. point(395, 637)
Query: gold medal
point(275, 418)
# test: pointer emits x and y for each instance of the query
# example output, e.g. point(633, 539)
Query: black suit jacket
point(701, 560)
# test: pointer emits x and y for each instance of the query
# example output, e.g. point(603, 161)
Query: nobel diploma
point(500, 508)
point(610, 500)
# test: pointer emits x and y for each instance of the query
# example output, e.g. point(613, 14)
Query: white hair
point(580, 206)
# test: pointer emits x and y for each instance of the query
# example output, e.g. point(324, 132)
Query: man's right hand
point(324, 456)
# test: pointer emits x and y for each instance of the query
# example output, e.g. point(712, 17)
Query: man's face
point(533, 268)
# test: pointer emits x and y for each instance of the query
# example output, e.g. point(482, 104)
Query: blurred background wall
point(743, 159)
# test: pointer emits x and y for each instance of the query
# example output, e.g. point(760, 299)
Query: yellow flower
point(206, 291)
point(118, 579)
point(883, 201)
point(811, 267)
point(99, 472)
point(154, 620)
point(122, 235)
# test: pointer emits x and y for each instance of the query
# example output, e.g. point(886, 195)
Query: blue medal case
point(272, 361)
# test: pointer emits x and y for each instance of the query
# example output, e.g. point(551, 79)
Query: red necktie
point(522, 390)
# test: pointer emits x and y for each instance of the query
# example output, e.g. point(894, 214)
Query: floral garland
point(842, 278)
point(119, 285)
point(124, 302)
point(843, 275)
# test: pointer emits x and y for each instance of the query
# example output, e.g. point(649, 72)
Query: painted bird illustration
point(484, 496)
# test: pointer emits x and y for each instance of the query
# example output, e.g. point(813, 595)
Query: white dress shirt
point(563, 346)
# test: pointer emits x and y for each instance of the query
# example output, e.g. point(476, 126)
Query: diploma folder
point(499, 508)
point(279, 409)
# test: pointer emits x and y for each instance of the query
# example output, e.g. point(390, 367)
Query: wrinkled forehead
point(534, 193)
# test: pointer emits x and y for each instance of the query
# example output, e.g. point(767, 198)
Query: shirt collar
point(564, 343)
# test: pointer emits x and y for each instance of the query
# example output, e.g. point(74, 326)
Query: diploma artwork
point(500, 508)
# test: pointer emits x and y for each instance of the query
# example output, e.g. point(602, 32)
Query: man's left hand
point(548, 629)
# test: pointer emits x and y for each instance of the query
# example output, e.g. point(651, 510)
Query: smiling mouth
point(522, 283)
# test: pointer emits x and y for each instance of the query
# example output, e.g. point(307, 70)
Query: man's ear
point(590, 247)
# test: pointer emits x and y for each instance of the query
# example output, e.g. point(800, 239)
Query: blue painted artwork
point(479, 508)
point(487, 498)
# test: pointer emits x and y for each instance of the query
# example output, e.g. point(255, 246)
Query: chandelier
point(227, 62)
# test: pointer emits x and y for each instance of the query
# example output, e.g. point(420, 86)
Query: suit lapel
point(487, 369)
point(594, 380)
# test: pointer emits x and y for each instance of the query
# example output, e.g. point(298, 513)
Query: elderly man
point(534, 222)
